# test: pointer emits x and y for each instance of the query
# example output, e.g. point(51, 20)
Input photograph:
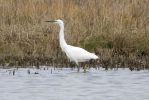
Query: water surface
point(67, 84)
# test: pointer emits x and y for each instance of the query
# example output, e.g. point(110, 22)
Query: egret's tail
point(94, 56)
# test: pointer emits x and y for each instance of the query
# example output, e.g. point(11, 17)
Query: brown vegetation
point(117, 30)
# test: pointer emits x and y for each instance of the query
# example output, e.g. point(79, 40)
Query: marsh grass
point(118, 31)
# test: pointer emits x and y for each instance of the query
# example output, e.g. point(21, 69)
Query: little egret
point(75, 54)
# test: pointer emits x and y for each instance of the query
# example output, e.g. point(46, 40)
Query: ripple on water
point(69, 84)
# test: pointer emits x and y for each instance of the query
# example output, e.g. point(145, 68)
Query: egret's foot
point(84, 71)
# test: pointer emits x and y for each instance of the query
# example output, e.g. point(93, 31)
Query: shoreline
point(106, 62)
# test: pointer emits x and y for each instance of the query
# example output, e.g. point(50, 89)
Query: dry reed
point(117, 30)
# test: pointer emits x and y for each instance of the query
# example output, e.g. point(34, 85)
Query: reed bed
point(116, 30)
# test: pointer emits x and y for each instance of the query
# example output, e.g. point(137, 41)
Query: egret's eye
point(51, 21)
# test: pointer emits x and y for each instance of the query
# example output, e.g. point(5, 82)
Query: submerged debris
point(28, 71)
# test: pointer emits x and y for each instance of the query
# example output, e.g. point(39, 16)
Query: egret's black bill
point(51, 21)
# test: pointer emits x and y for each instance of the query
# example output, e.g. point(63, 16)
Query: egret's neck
point(62, 41)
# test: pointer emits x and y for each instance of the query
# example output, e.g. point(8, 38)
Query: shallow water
point(67, 84)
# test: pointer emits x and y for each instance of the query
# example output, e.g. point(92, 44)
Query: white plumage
point(78, 54)
point(75, 54)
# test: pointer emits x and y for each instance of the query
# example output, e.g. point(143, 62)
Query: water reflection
point(67, 84)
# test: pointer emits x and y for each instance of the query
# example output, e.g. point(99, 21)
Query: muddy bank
point(107, 60)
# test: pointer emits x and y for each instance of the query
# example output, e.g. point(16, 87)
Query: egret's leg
point(85, 68)
point(78, 68)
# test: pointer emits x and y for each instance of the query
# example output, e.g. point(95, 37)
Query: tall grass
point(107, 27)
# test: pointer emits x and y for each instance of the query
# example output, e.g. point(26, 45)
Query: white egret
point(75, 54)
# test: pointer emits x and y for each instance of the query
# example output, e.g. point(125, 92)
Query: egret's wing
point(80, 54)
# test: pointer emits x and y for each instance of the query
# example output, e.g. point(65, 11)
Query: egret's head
point(60, 22)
